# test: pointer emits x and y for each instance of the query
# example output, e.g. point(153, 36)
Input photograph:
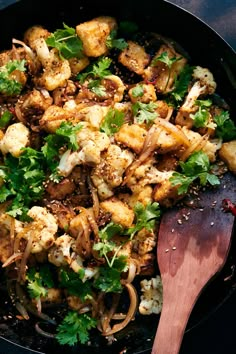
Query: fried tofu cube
point(121, 213)
point(227, 153)
point(134, 57)
point(94, 34)
point(147, 93)
point(132, 136)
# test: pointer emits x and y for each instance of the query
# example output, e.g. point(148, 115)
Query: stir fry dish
point(102, 128)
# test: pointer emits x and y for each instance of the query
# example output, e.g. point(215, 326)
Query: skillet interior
point(206, 48)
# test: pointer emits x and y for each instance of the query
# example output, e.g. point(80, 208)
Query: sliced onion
point(19, 113)
point(42, 332)
point(14, 257)
point(149, 147)
point(22, 310)
point(94, 197)
point(130, 314)
point(22, 270)
point(131, 272)
point(174, 130)
point(198, 145)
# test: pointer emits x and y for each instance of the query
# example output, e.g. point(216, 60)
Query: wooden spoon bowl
point(193, 245)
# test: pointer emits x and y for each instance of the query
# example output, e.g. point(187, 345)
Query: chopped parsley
point(196, 167)
point(5, 119)
point(67, 42)
point(137, 91)
point(201, 117)
point(39, 281)
point(181, 85)
point(97, 70)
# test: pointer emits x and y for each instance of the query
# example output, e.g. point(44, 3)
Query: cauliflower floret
point(15, 138)
point(33, 33)
point(42, 229)
point(92, 143)
point(204, 85)
point(94, 34)
point(152, 297)
point(144, 241)
point(60, 253)
point(117, 86)
point(206, 79)
point(121, 213)
point(134, 58)
point(93, 114)
point(56, 70)
point(227, 153)
point(108, 174)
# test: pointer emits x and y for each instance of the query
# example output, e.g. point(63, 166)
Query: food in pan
point(102, 129)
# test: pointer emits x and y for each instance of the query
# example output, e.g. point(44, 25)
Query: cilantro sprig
point(39, 281)
point(197, 167)
point(112, 122)
point(23, 181)
point(97, 70)
point(114, 42)
point(137, 91)
point(67, 42)
point(201, 117)
point(181, 85)
point(225, 129)
point(8, 85)
point(144, 112)
point(5, 119)
point(75, 328)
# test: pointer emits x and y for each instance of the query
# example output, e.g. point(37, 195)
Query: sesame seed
point(174, 248)
point(212, 223)
point(167, 250)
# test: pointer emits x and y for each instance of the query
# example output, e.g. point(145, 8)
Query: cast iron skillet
point(206, 48)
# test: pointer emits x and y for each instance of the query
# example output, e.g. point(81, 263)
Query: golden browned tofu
point(132, 136)
point(134, 58)
point(78, 64)
point(121, 213)
point(144, 93)
point(94, 34)
point(53, 117)
point(165, 193)
point(228, 154)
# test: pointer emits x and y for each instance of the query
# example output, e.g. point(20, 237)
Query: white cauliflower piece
point(93, 114)
point(42, 229)
point(108, 174)
point(15, 138)
point(206, 79)
point(203, 85)
point(152, 297)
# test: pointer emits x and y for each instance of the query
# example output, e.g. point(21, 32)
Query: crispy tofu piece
point(227, 153)
point(148, 94)
point(134, 57)
point(78, 64)
point(94, 34)
point(53, 117)
point(132, 136)
point(121, 213)
point(166, 194)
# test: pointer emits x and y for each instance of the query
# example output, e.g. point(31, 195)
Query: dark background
point(217, 335)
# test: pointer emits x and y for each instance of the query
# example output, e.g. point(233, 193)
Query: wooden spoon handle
point(171, 328)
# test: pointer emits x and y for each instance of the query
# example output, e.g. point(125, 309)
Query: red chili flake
point(228, 206)
point(147, 82)
point(12, 110)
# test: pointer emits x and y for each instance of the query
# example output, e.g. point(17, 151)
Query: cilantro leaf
point(73, 283)
point(137, 91)
point(24, 177)
point(113, 42)
point(97, 70)
point(67, 131)
point(201, 117)
point(196, 167)
point(96, 87)
point(5, 119)
point(181, 85)
point(8, 85)
point(75, 328)
point(145, 217)
point(112, 122)
point(144, 112)
point(109, 277)
point(39, 281)
point(67, 42)
point(225, 129)
point(164, 58)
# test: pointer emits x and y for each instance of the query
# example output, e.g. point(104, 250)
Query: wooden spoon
point(193, 245)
